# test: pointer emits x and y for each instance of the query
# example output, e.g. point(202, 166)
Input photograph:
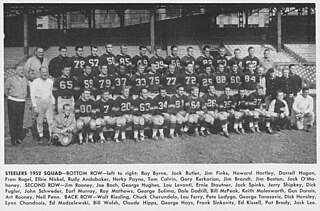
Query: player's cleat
point(207, 132)
point(269, 130)
point(141, 138)
point(91, 139)
point(258, 130)
point(162, 138)
point(309, 128)
point(242, 131)
point(252, 130)
point(155, 138)
point(236, 130)
point(102, 140)
point(171, 136)
point(116, 140)
point(183, 135)
point(226, 133)
point(42, 140)
point(201, 133)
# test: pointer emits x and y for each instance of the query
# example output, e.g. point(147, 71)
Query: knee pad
point(99, 123)
point(79, 124)
point(92, 124)
point(173, 119)
point(180, 119)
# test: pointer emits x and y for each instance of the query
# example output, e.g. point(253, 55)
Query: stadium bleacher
point(306, 51)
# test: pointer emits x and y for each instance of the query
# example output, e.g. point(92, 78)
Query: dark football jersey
point(241, 102)
point(124, 105)
point(64, 86)
point(159, 61)
point(84, 108)
point(250, 81)
point(186, 60)
point(142, 106)
point(170, 82)
point(248, 59)
point(126, 61)
point(140, 60)
point(235, 80)
point(203, 60)
point(110, 60)
point(221, 59)
point(204, 81)
point(236, 60)
point(77, 65)
point(103, 82)
point(137, 81)
point(161, 104)
point(173, 60)
point(179, 103)
point(104, 108)
point(196, 104)
point(120, 80)
point(211, 101)
point(94, 61)
point(221, 80)
point(226, 103)
point(85, 82)
point(189, 80)
point(153, 81)
point(256, 101)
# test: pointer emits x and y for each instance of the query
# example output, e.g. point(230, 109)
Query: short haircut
point(227, 87)
point(220, 63)
point(237, 49)
point(125, 87)
point(142, 46)
point(305, 89)
point(123, 45)
point(18, 65)
point(173, 46)
point(157, 48)
point(189, 48)
point(62, 48)
point(38, 47)
point(194, 88)
point(105, 90)
point(206, 47)
point(291, 65)
point(222, 47)
point(266, 50)
point(271, 70)
point(241, 88)
point(207, 65)
point(162, 88)
point(250, 63)
point(279, 91)
point(234, 63)
point(93, 46)
point(104, 64)
point(107, 43)
point(251, 47)
point(179, 86)
point(142, 88)
point(87, 90)
point(65, 105)
point(67, 65)
point(259, 86)
point(78, 46)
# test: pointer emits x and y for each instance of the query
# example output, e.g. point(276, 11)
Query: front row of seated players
point(179, 113)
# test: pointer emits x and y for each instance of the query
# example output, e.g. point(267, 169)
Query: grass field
point(282, 147)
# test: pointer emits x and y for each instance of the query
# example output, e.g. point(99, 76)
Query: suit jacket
point(60, 123)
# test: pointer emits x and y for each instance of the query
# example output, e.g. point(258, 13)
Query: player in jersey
point(211, 100)
point(159, 61)
point(174, 59)
point(153, 81)
point(85, 81)
point(162, 115)
point(140, 59)
point(85, 112)
point(124, 59)
point(251, 58)
point(138, 80)
point(120, 79)
point(123, 108)
point(236, 59)
point(109, 58)
point(189, 78)
point(221, 79)
point(179, 106)
point(250, 79)
point(221, 58)
point(226, 110)
point(77, 62)
point(257, 107)
point(205, 80)
point(170, 80)
point(64, 88)
point(189, 58)
point(142, 111)
point(94, 60)
point(196, 111)
point(103, 81)
point(235, 78)
point(205, 59)
point(241, 109)
point(104, 113)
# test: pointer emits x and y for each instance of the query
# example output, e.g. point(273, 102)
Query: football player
point(189, 78)
point(109, 58)
point(257, 106)
point(124, 59)
point(105, 113)
point(196, 111)
point(235, 78)
point(250, 79)
point(174, 59)
point(94, 60)
point(221, 79)
point(236, 59)
point(205, 59)
point(297, 81)
point(211, 100)
point(123, 110)
point(153, 81)
point(142, 111)
point(251, 58)
point(103, 81)
point(221, 58)
point(77, 62)
point(138, 80)
point(159, 61)
point(286, 83)
point(57, 63)
point(205, 80)
point(187, 59)
point(85, 112)
point(241, 110)
point(85, 81)
point(179, 105)
point(170, 80)
point(140, 60)
point(64, 88)
point(120, 79)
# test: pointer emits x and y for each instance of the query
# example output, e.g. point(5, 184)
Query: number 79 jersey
point(84, 108)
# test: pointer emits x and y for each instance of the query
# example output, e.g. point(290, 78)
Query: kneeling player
point(279, 110)
point(104, 113)
point(85, 111)
point(211, 100)
point(241, 110)
point(123, 108)
point(161, 115)
point(257, 107)
point(179, 104)
point(197, 109)
point(142, 114)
